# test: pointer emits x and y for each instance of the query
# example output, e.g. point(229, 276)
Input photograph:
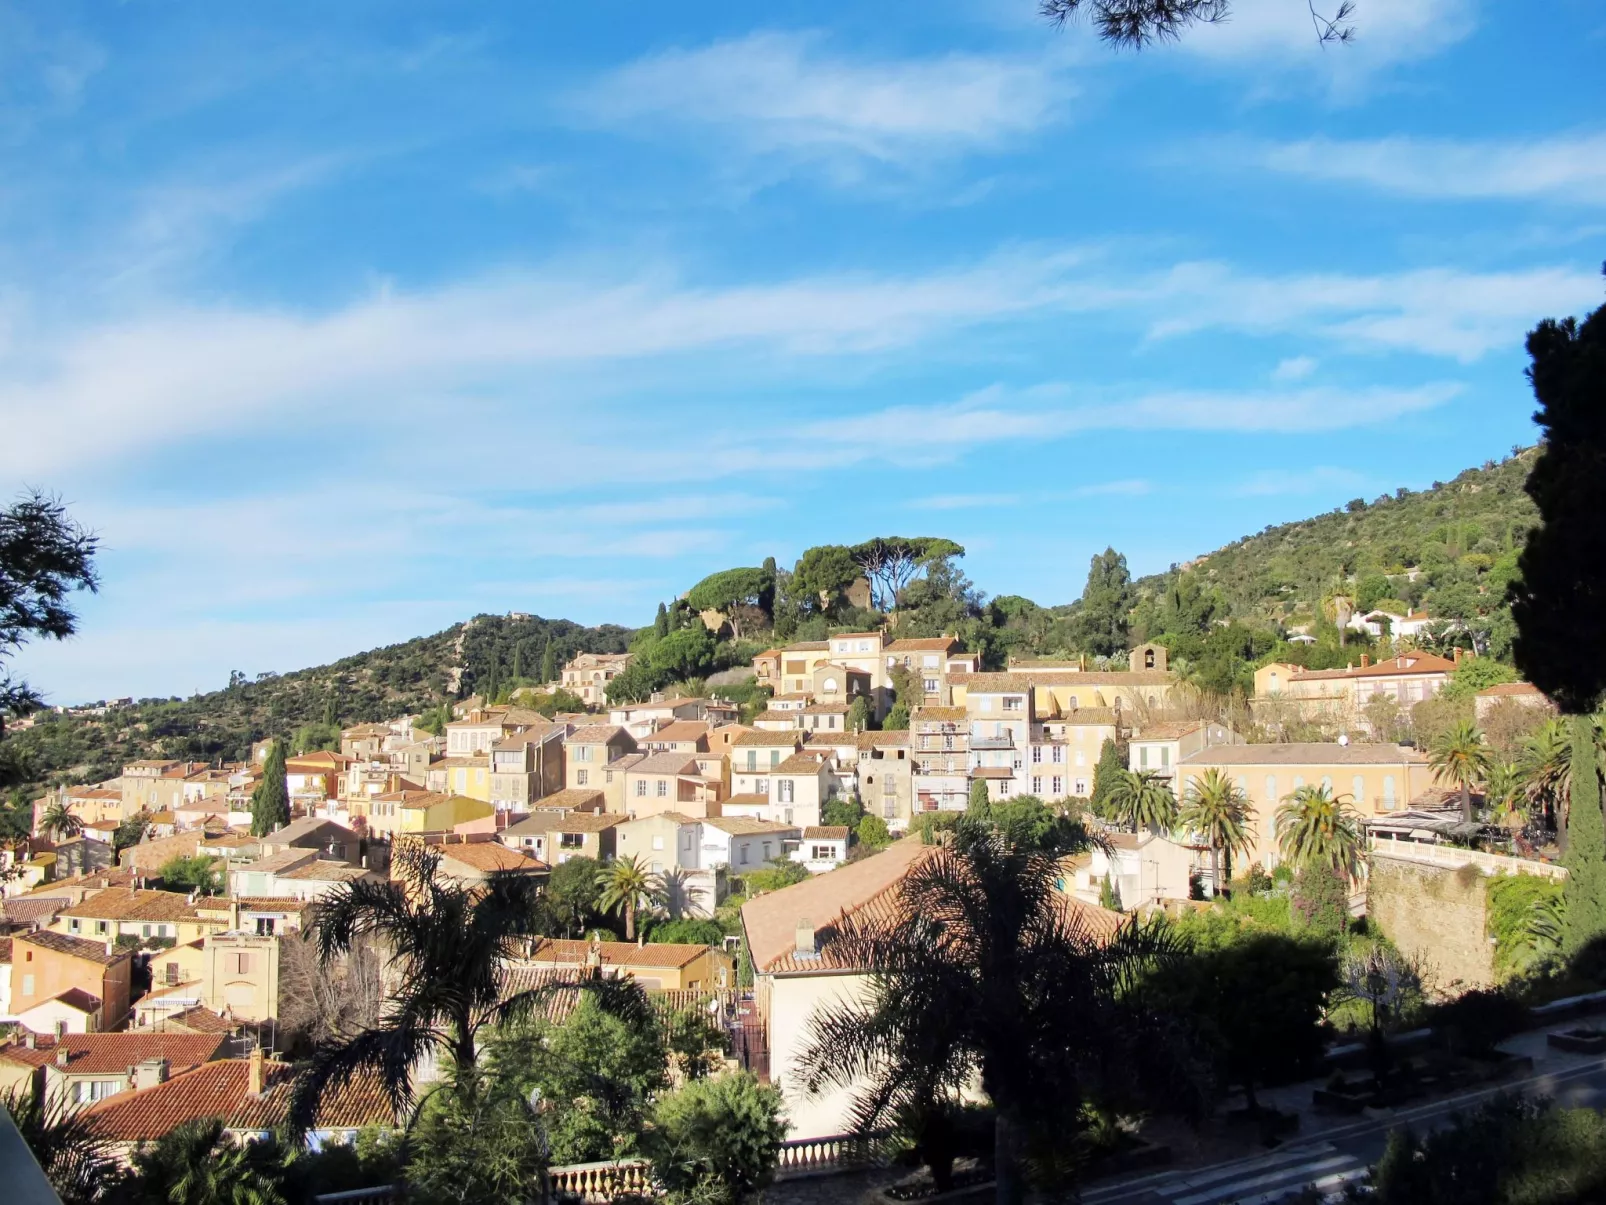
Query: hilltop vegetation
point(1450, 549)
point(489, 654)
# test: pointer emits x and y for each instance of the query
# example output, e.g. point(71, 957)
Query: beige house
point(587, 753)
point(527, 765)
point(939, 744)
point(667, 782)
point(554, 839)
point(883, 776)
point(57, 978)
point(1521, 694)
point(1157, 748)
point(588, 676)
point(1340, 696)
point(689, 737)
point(1065, 751)
point(1376, 779)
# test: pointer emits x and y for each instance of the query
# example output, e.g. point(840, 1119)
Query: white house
point(823, 847)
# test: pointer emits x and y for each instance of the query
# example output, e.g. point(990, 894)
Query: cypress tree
point(1559, 602)
point(518, 661)
point(1109, 765)
point(549, 663)
point(270, 802)
point(660, 624)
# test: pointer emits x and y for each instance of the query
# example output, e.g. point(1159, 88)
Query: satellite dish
point(1343, 738)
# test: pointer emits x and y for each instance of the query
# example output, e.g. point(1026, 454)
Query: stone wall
point(1437, 914)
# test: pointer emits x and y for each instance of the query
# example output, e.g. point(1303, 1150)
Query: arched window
point(1148, 658)
point(829, 686)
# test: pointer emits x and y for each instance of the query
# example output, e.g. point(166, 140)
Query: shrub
point(716, 1141)
point(1526, 917)
point(1475, 1022)
point(782, 872)
point(873, 832)
point(930, 825)
point(1321, 901)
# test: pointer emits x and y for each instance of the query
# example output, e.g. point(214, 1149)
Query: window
point(752, 760)
point(1013, 703)
point(27, 985)
point(783, 791)
point(767, 844)
point(240, 963)
point(73, 925)
point(864, 646)
point(986, 704)
point(1388, 792)
point(1037, 754)
point(88, 1091)
point(828, 686)
point(170, 974)
point(1143, 757)
point(775, 757)
point(641, 788)
point(1059, 753)
point(743, 858)
point(822, 853)
point(1165, 757)
point(889, 785)
point(763, 785)
point(582, 753)
point(1299, 781)
point(607, 776)
point(1056, 785)
point(1037, 786)
point(929, 661)
point(1357, 788)
point(657, 842)
point(145, 931)
point(265, 926)
point(1327, 783)
point(581, 777)
point(830, 721)
point(663, 788)
point(931, 686)
point(571, 840)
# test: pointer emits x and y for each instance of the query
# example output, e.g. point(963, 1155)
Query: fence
point(1453, 858)
point(595, 1183)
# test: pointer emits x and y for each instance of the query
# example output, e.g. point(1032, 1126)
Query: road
point(1335, 1157)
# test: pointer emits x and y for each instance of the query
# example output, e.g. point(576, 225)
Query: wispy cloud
point(788, 96)
point(1295, 368)
point(1568, 168)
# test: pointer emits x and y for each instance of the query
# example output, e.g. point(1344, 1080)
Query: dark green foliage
point(598, 1070)
point(822, 576)
point(842, 811)
point(929, 826)
point(1105, 775)
point(131, 831)
point(897, 718)
point(270, 801)
point(978, 973)
point(1258, 1003)
point(733, 592)
point(1026, 822)
point(1527, 921)
point(782, 872)
point(873, 832)
point(1110, 894)
point(716, 1141)
point(78, 1163)
point(1475, 1022)
point(1101, 623)
point(1560, 602)
point(860, 717)
point(475, 1140)
point(193, 873)
point(315, 738)
point(687, 931)
point(197, 1163)
point(1511, 1151)
point(660, 623)
point(891, 563)
point(44, 557)
point(574, 896)
point(407, 678)
point(1586, 842)
point(1321, 901)
point(980, 801)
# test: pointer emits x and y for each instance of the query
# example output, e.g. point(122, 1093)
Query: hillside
point(1450, 549)
point(409, 677)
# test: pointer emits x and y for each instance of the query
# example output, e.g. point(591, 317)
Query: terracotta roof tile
point(114, 904)
point(1304, 754)
point(116, 1052)
point(761, 737)
point(826, 832)
point(666, 763)
point(617, 953)
point(76, 947)
point(487, 856)
point(746, 826)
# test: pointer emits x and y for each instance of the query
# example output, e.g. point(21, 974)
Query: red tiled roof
point(1511, 688)
point(202, 1022)
point(116, 1052)
point(1389, 667)
point(826, 832)
point(76, 947)
point(134, 906)
point(487, 856)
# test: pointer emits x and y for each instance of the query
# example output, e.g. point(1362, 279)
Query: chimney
point(1458, 652)
point(111, 946)
point(148, 1073)
point(253, 1075)
point(234, 915)
point(61, 1056)
point(804, 940)
point(1366, 660)
point(28, 1040)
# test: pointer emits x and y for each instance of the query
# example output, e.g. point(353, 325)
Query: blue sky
point(343, 322)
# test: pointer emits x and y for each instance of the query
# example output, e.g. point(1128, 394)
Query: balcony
point(1006, 741)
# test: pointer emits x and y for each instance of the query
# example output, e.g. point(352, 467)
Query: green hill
point(1450, 549)
point(483, 654)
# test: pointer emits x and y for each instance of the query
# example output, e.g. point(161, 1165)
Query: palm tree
point(197, 1163)
point(450, 945)
point(59, 821)
point(626, 885)
point(1143, 800)
point(986, 973)
point(1547, 770)
point(1315, 828)
point(1219, 812)
point(77, 1161)
point(1460, 757)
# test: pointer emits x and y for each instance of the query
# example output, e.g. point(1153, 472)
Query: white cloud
point(1295, 368)
point(1434, 311)
point(1280, 36)
point(1569, 168)
point(786, 95)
